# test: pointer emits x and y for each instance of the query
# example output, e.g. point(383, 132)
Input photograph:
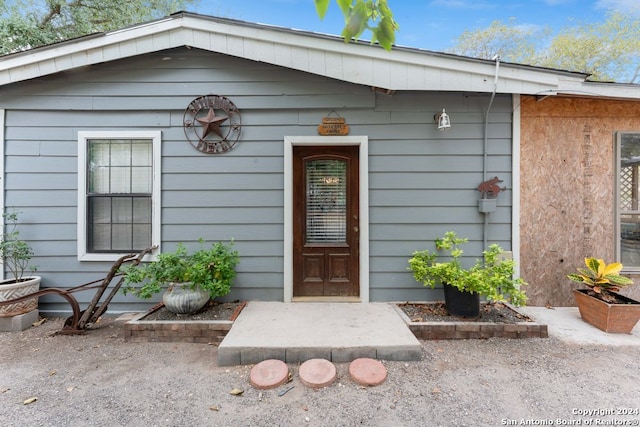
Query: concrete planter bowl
point(184, 298)
point(10, 289)
point(614, 318)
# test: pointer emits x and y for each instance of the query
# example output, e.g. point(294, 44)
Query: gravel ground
point(99, 380)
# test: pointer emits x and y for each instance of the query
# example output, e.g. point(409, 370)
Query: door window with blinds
point(628, 195)
point(119, 195)
point(326, 184)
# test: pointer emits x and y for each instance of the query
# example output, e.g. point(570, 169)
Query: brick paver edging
point(214, 331)
point(201, 331)
point(472, 330)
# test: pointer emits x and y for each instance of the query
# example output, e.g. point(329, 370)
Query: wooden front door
point(326, 221)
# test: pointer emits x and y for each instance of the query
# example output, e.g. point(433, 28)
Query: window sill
point(89, 257)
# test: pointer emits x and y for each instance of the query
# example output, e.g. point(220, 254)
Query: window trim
point(83, 137)
point(616, 205)
point(362, 141)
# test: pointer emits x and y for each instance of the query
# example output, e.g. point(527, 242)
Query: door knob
point(356, 229)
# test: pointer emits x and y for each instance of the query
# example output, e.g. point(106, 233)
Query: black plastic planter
point(460, 303)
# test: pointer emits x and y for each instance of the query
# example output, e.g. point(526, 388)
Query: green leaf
point(600, 276)
point(593, 264)
point(384, 10)
point(345, 6)
point(386, 33)
point(213, 269)
point(490, 277)
point(321, 7)
point(620, 280)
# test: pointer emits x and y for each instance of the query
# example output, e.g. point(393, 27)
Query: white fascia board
point(362, 64)
point(85, 44)
point(398, 69)
point(598, 90)
point(359, 63)
point(85, 51)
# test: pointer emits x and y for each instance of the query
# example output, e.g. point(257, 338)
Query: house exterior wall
point(422, 182)
point(567, 189)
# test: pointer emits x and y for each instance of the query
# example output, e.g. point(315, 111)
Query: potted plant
point(190, 279)
point(599, 304)
point(15, 254)
point(491, 278)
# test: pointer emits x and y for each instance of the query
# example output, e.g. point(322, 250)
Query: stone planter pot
point(616, 318)
point(182, 298)
point(10, 289)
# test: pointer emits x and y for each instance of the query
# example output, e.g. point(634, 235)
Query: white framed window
point(628, 199)
point(118, 193)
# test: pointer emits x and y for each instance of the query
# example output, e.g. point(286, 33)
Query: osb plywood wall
point(567, 189)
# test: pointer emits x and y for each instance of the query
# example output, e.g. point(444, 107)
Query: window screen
point(119, 190)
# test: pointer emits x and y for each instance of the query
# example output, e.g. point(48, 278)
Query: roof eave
point(359, 63)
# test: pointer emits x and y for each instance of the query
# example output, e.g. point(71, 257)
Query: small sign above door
point(333, 126)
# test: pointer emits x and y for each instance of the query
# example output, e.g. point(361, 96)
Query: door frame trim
point(362, 141)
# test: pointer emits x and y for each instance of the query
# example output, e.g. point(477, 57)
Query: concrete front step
point(338, 332)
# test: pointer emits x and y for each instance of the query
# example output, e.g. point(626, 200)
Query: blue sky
point(426, 24)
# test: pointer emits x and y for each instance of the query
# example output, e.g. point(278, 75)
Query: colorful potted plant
point(492, 277)
point(600, 305)
point(190, 279)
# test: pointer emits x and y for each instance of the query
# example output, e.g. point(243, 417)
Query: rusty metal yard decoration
point(79, 321)
point(490, 188)
point(212, 124)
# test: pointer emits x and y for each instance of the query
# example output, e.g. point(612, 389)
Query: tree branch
point(54, 10)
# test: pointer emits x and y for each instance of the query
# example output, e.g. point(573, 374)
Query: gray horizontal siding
point(426, 184)
point(422, 182)
point(241, 215)
point(237, 181)
point(426, 180)
point(432, 198)
point(158, 102)
point(422, 215)
point(425, 232)
point(227, 198)
point(460, 163)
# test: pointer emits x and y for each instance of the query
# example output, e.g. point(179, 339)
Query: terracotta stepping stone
point(317, 373)
point(367, 372)
point(268, 374)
